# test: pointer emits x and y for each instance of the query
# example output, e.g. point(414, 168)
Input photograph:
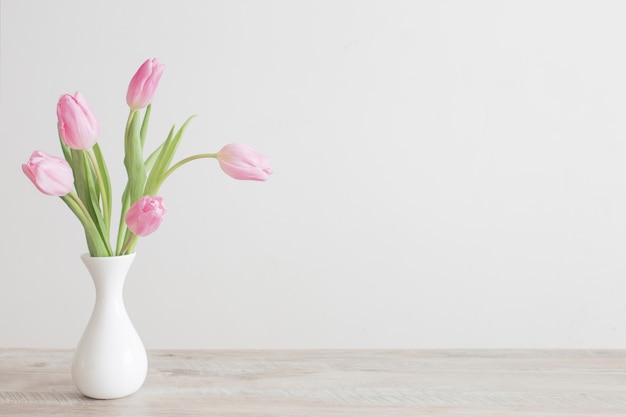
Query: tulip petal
point(50, 174)
point(145, 216)
point(78, 126)
point(144, 83)
point(242, 162)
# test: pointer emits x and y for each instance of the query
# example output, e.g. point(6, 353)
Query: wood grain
point(485, 383)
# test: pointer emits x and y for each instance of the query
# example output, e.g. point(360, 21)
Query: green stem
point(81, 205)
point(130, 118)
point(144, 125)
point(122, 229)
point(180, 164)
point(132, 238)
point(97, 246)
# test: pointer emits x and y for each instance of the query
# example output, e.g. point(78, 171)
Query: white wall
point(447, 174)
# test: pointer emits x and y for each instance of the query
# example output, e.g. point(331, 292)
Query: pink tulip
point(244, 163)
point(144, 84)
point(78, 126)
point(145, 216)
point(50, 174)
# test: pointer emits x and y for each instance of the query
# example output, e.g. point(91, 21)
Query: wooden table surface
point(362, 383)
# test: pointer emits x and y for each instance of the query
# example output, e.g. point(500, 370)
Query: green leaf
point(94, 243)
point(85, 183)
point(154, 155)
point(106, 192)
point(93, 206)
point(123, 229)
point(80, 175)
point(144, 125)
point(157, 160)
point(164, 159)
point(133, 159)
point(96, 232)
point(67, 152)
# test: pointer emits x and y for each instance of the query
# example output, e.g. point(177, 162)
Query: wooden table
point(362, 383)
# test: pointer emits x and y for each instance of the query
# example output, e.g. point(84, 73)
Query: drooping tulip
point(144, 84)
point(78, 126)
point(244, 163)
point(50, 174)
point(145, 215)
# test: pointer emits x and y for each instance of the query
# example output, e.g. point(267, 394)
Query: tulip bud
point(244, 163)
point(145, 216)
point(144, 83)
point(78, 127)
point(50, 174)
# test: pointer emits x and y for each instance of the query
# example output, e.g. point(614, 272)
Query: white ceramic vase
point(110, 360)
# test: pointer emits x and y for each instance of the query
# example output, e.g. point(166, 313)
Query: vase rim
point(88, 256)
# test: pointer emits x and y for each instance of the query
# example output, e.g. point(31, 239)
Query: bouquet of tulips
point(81, 178)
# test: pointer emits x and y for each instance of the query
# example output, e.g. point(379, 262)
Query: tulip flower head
point(78, 127)
point(50, 174)
point(145, 216)
point(244, 163)
point(144, 84)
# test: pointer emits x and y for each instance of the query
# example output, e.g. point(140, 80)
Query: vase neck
point(108, 273)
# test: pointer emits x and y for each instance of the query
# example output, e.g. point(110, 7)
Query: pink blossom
point(78, 126)
point(144, 83)
point(244, 163)
point(50, 174)
point(145, 216)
